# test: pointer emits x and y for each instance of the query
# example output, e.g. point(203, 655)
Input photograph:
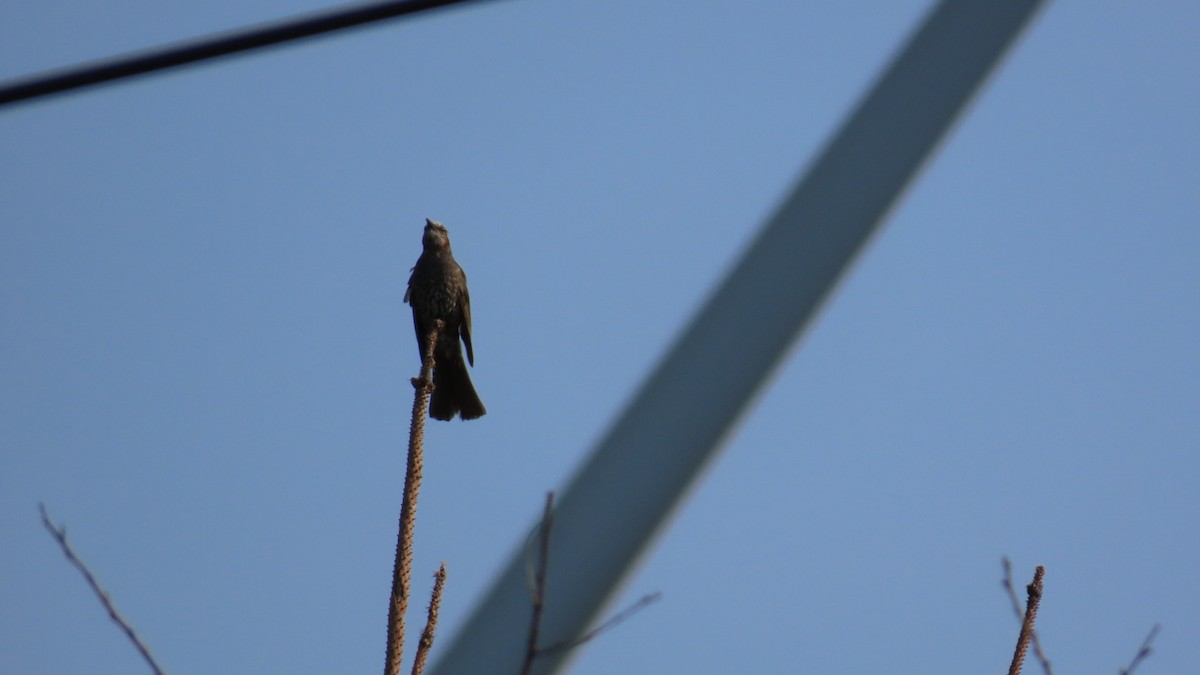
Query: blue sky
point(204, 359)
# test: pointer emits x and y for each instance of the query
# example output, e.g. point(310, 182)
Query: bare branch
point(435, 601)
point(60, 535)
point(1012, 594)
point(1143, 652)
point(402, 570)
point(1012, 591)
point(538, 587)
point(616, 620)
point(536, 573)
point(1034, 591)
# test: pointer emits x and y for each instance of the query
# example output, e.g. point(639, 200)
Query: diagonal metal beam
point(211, 47)
point(644, 464)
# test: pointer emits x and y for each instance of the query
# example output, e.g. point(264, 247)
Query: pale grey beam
point(656, 448)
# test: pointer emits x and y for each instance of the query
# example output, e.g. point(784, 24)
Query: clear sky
point(204, 358)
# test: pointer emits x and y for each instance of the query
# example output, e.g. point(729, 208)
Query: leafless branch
point(1034, 592)
point(1143, 652)
point(536, 572)
point(60, 535)
point(538, 587)
point(435, 601)
point(1017, 609)
point(402, 569)
point(614, 621)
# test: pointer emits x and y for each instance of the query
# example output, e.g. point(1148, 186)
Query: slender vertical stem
point(539, 583)
point(1031, 606)
point(402, 570)
point(435, 602)
point(1012, 595)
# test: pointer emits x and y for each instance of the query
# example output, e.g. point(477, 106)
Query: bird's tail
point(453, 393)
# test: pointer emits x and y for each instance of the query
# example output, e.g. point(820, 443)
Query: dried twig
point(60, 535)
point(1034, 591)
point(1143, 651)
point(614, 621)
point(537, 592)
point(1017, 609)
point(538, 587)
point(402, 570)
point(435, 601)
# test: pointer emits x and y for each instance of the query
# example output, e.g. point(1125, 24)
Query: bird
point(437, 289)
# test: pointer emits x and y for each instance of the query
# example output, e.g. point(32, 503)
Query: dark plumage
point(437, 289)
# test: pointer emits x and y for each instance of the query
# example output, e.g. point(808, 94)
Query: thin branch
point(435, 602)
point(1012, 591)
point(536, 574)
point(1020, 613)
point(402, 570)
point(60, 535)
point(1143, 652)
point(538, 588)
point(1034, 591)
point(616, 620)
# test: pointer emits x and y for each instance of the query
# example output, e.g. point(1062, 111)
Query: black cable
point(210, 47)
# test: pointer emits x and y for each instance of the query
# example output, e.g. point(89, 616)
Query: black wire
point(139, 63)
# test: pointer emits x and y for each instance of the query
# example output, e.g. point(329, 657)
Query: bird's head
point(436, 236)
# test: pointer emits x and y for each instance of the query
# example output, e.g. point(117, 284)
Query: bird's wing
point(420, 330)
point(464, 326)
point(422, 334)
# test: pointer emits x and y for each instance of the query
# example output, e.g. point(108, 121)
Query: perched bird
point(437, 289)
